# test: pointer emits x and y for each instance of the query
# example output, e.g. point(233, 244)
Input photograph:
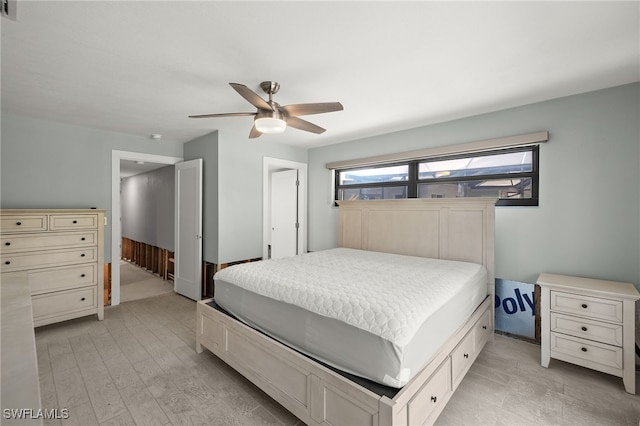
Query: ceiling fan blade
point(301, 124)
point(251, 96)
point(255, 133)
point(308, 109)
point(226, 114)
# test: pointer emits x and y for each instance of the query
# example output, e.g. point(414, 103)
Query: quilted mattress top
point(386, 294)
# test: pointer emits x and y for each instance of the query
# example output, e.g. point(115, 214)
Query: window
point(511, 175)
point(373, 183)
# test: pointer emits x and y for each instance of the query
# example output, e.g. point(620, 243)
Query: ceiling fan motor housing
point(270, 87)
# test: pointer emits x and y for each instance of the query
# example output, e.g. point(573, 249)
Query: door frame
point(116, 226)
point(269, 165)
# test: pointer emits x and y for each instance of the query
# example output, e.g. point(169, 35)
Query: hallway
point(138, 283)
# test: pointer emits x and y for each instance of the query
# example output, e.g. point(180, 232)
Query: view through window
point(511, 175)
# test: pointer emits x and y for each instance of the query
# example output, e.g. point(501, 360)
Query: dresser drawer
point(54, 279)
point(64, 302)
point(29, 242)
point(591, 307)
point(26, 223)
point(587, 329)
point(586, 353)
point(433, 394)
point(62, 222)
point(42, 259)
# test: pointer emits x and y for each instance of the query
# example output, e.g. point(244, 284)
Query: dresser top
point(601, 287)
point(45, 211)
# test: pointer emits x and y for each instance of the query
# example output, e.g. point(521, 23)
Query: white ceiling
point(143, 67)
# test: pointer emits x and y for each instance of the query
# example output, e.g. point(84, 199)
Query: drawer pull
point(8, 262)
point(583, 349)
point(584, 305)
point(484, 327)
point(83, 299)
point(7, 244)
point(466, 356)
point(82, 239)
point(82, 255)
point(18, 223)
point(82, 275)
point(434, 398)
point(75, 221)
point(583, 328)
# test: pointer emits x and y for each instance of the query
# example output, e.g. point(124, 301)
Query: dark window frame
point(413, 182)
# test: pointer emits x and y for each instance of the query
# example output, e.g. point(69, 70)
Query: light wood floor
point(139, 366)
point(138, 283)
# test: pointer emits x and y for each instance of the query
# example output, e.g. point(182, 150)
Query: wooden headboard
point(443, 228)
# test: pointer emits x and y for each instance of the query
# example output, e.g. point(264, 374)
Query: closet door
point(284, 214)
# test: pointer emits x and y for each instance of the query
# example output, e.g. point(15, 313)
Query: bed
point(381, 244)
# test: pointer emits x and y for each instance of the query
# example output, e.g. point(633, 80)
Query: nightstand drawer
point(591, 307)
point(590, 354)
point(587, 329)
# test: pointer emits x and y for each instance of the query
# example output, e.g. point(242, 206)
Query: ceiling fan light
point(270, 125)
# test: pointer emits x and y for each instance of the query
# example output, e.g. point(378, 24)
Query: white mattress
point(376, 315)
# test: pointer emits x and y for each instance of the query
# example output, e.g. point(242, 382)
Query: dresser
point(61, 251)
point(590, 323)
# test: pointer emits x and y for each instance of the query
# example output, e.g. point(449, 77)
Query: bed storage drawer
point(462, 357)
point(436, 391)
point(482, 330)
point(467, 350)
point(592, 307)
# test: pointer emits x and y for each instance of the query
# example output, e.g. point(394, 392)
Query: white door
point(188, 229)
point(284, 213)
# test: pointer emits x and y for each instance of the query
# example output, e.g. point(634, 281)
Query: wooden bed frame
point(454, 229)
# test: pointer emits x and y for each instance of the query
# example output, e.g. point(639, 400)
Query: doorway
point(272, 166)
point(116, 227)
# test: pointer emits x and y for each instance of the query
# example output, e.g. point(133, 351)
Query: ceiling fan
point(271, 117)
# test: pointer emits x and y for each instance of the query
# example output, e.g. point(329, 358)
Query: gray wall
point(232, 215)
point(588, 220)
point(240, 191)
point(147, 207)
point(44, 164)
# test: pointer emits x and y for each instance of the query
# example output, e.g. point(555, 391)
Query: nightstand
point(590, 323)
